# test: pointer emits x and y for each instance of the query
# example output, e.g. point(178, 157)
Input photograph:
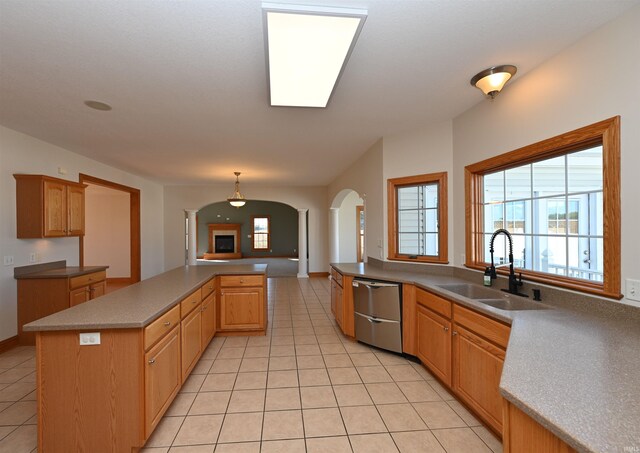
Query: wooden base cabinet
point(479, 348)
point(163, 376)
point(342, 302)
point(434, 343)
point(191, 341)
point(242, 304)
point(522, 434)
point(208, 319)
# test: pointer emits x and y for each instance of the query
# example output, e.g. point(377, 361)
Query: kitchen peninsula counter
point(572, 367)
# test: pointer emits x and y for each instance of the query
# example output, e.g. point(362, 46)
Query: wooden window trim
point(253, 232)
point(605, 132)
point(392, 216)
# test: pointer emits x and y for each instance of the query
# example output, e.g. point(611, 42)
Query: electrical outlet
point(90, 339)
point(633, 289)
point(8, 260)
point(33, 257)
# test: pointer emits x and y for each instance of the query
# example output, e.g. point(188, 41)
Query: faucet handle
point(519, 281)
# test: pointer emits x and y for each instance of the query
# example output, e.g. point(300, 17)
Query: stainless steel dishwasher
point(378, 314)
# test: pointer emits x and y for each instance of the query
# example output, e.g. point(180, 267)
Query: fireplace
point(224, 244)
point(224, 241)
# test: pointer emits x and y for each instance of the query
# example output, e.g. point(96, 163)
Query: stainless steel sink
point(492, 297)
point(471, 291)
point(512, 304)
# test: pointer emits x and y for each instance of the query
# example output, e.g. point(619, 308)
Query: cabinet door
point(477, 367)
point(191, 341)
point(78, 296)
point(339, 305)
point(162, 378)
point(75, 209)
point(333, 297)
point(241, 308)
point(98, 289)
point(208, 319)
point(434, 343)
point(55, 209)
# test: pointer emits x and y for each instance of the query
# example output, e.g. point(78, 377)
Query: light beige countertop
point(138, 305)
point(574, 367)
point(62, 272)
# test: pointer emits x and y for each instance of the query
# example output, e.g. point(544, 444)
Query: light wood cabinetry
point(48, 207)
point(434, 343)
point(40, 297)
point(191, 341)
point(342, 302)
point(162, 378)
point(522, 434)
point(242, 304)
point(479, 348)
point(208, 319)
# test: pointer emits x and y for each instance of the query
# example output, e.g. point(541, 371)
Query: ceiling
point(187, 80)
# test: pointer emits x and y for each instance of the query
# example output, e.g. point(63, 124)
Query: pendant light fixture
point(492, 80)
point(237, 199)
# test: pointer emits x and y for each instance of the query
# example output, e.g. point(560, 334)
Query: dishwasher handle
point(373, 284)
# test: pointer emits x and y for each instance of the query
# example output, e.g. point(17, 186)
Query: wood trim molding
point(8, 344)
point(443, 224)
point(605, 132)
point(134, 221)
point(318, 274)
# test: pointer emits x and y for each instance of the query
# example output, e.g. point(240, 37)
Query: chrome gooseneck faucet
point(514, 283)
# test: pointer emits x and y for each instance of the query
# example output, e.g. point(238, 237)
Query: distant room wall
point(284, 226)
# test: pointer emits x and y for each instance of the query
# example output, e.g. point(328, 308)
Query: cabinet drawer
point(433, 302)
point(482, 325)
point(156, 330)
point(337, 276)
point(241, 280)
point(84, 280)
point(190, 302)
point(208, 288)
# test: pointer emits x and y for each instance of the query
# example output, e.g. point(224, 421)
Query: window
point(261, 232)
point(418, 218)
point(559, 199)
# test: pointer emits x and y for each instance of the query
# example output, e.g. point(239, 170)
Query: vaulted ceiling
point(187, 80)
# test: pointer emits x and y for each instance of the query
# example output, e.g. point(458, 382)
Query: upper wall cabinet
point(48, 207)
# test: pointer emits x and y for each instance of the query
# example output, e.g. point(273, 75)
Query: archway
point(347, 216)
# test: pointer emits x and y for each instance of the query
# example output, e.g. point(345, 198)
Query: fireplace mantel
point(224, 229)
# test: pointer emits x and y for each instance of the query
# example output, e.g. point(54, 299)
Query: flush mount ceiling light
point(307, 48)
point(97, 105)
point(237, 199)
point(492, 80)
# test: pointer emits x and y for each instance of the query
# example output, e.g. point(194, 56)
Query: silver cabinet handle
point(167, 323)
point(454, 333)
point(446, 329)
point(152, 361)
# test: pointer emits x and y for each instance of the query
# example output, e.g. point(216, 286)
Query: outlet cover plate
point(633, 289)
point(90, 339)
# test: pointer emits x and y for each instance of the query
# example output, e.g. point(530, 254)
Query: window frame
point(393, 185)
point(605, 133)
point(253, 233)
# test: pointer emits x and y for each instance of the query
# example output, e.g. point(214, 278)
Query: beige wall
point(365, 177)
point(107, 238)
point(594, 79)
point(426, 150)
point(179, 198)
point(20, 153)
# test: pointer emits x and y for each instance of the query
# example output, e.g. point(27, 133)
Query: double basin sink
point(492, 297)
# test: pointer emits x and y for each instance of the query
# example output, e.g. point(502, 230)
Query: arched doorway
point(347, 217)
point(258, 232)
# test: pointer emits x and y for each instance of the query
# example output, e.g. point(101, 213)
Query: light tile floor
point(302, 388)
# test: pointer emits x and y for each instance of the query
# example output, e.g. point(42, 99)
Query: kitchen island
point(108, 369)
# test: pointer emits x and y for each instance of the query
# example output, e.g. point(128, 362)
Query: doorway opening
point(112, 230)
point(347, 228)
